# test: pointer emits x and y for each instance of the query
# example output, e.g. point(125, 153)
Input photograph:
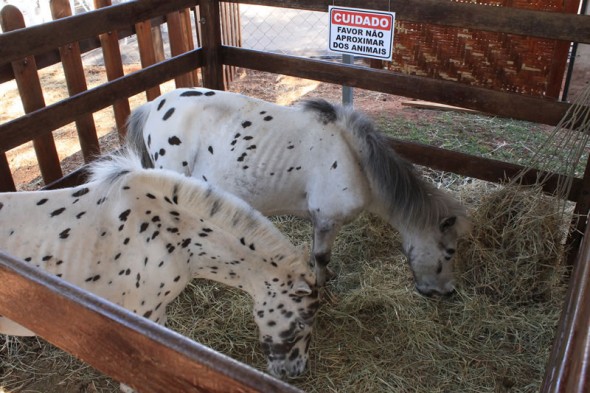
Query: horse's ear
point(447, 223)
point(302, 288)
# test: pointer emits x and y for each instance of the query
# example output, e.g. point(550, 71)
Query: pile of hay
point(516, 249)
point(376, 334)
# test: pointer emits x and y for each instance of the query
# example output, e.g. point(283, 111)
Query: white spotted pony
point(137, 237)
point(315, 160)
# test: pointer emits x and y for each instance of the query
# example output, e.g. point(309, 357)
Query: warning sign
point(361, 32)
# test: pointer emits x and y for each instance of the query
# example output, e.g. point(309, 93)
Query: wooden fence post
point(211, 36)
point(178, 45)
point(187, 28)
point(224, 14)
point(114, 68)
point(29, 86)
point(6, 180)
point(76, 81)
point(158, 43)
point(147, 52)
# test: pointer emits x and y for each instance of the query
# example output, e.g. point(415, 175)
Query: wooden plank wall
point(24, 70)
point(29, 87)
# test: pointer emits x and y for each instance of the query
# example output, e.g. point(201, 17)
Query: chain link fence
point(285, 31)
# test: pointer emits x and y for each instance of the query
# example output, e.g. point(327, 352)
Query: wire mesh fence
point(285, 31)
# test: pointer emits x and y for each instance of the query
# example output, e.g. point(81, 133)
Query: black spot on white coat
point(174, 141)
point(64, 234)
point(168, 113)
point(191, 93)
point(81, 192)
point(123, 216)
point(57, 212)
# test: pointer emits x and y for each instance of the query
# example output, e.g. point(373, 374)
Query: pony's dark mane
point(223, 209)
point(404, 193)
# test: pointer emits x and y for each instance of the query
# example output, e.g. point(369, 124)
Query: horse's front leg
point(324, 234)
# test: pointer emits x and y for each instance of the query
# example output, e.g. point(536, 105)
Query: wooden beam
point(503, 104)
point(48, 36)
point(543, 24)
point(18, 131)
point(479, 168)
point(211, 42)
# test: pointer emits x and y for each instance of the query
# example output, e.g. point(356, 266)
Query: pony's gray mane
point(196, 197)
point(404, 193)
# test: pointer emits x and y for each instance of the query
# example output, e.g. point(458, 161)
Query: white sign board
point(365, 33)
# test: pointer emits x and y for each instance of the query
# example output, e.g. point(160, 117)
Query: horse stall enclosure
point(517, 321)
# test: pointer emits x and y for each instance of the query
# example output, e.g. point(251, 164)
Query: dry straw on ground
point(376, 334)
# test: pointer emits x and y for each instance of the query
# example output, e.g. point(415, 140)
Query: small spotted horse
point(316, 160)
point(136, 237)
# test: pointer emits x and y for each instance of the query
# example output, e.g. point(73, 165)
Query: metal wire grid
point(285, 31)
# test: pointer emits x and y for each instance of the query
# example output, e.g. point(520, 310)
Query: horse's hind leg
point(324, 234)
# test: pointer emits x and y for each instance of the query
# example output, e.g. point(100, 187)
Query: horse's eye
point(300, 325)
point(447, 223)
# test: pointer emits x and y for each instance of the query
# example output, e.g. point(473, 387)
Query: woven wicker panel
point(498, 61)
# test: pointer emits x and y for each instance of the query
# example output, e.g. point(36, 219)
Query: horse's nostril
point(450, 294)
point(425, 293)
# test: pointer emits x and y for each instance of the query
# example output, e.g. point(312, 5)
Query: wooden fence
point(23, 51)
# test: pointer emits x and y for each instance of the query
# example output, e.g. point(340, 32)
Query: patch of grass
point(502, 139)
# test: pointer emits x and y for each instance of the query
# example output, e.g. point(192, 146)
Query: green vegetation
point(485, 136)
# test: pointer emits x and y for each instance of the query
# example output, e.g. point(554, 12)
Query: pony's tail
point(134, 139)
